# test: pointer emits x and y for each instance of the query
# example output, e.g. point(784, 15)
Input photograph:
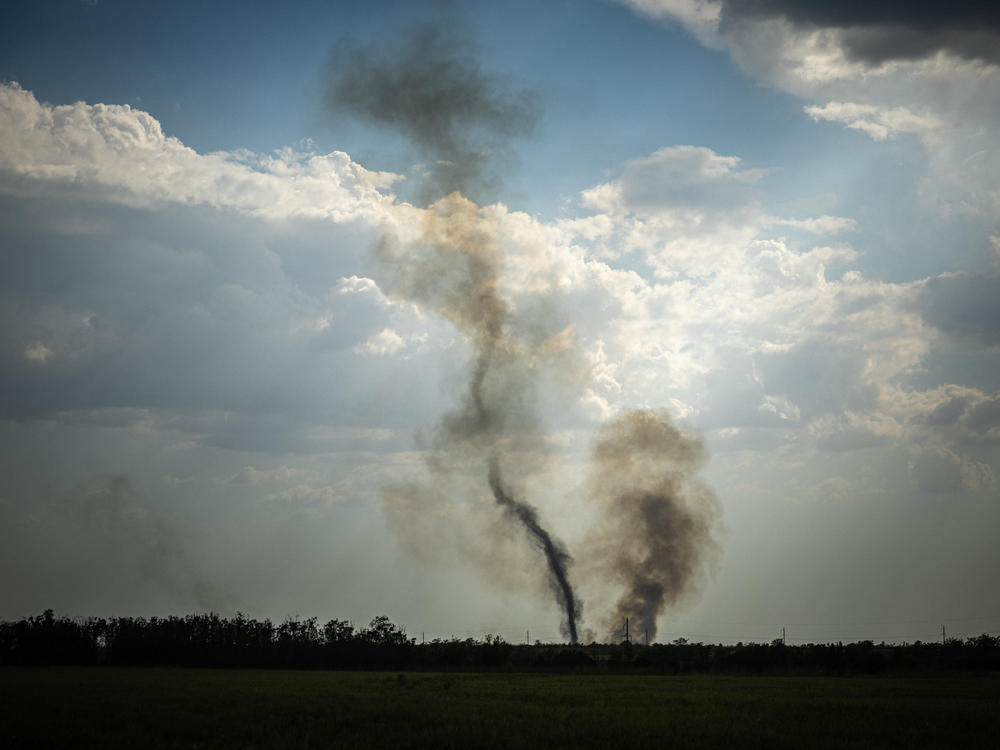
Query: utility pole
point(646, 633)
point(423, 640)
point(626, 630)
point(943, 639)
point(527, 638)
point(782, 635)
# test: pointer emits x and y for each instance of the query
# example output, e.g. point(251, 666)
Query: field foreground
point(137, 707)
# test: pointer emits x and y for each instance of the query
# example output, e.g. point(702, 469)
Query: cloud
point(955, 417)
point(124, 153)
point(849, 430)
point(899, 68)
point(965, 308)
point(385, 342)
point(940, 471)
point(172, 480)
point(886, 29)
point(820, 224)
point(871, 32)
point(833, 490)
point(206, 331)
point(673, 177)
point(948, 412)
point(197, 267)
point(985, 417)
point(682, 207)
point(37, 352)
point(879, 122)
point(251, 475)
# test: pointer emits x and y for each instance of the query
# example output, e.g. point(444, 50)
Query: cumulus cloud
point(672, 177)
point(925, 69)
point(124, 152)
point(759, 339)
point(386, 341)
point(197, 266)
point(941, 471)
point(880, 123)
point(682, 207)
point(222, 322)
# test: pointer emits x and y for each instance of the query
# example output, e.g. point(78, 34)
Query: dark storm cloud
point(888, 29)
point(427, 86)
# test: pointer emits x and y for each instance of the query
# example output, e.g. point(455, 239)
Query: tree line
point(210, 640)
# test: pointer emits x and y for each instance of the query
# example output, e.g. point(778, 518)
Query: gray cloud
point(985, 416)
point(189, 309)
point(888, 29)
point(948, 413)
point(965, 307)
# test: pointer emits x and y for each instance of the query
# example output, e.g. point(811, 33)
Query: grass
point(201, 708)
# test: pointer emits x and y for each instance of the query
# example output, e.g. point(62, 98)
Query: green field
point(137, 707)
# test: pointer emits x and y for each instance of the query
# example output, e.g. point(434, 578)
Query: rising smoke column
point(430, 89)
point(659, 522)
point(556, 556)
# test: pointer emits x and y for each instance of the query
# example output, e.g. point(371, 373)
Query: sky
point(312, 308)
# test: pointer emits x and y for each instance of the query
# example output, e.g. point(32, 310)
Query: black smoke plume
point(659, 522)
point(429, 88)
point(556, 555)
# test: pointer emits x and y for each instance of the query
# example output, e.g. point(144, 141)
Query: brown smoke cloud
point(659, 523)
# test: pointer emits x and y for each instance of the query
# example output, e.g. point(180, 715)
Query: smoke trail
point(457, 275)
point(660, 521)
point(555, 554)
point(432, 91)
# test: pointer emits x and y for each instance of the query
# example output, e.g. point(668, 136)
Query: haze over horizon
point(240, 369)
